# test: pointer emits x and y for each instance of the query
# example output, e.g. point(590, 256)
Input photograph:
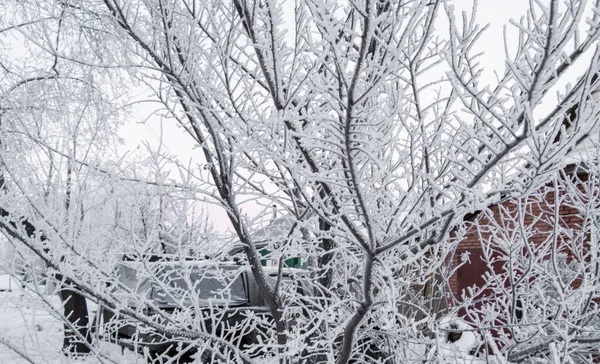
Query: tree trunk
point(77, 338)
point(74, 304)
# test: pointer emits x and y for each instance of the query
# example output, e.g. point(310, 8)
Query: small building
point(269, 239)
point(531, 265)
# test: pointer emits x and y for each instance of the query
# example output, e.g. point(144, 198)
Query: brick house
point(542, 209)
point(538, 212)
point(533, 268)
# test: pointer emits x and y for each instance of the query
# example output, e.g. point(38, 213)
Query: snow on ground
point(29, 333)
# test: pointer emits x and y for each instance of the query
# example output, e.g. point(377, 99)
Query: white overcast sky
point(495, 12)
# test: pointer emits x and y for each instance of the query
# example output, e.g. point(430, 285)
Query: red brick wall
point(539, 208)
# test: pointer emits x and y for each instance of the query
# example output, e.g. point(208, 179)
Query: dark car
point(163, 288)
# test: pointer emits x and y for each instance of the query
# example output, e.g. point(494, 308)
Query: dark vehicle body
point(168, 287)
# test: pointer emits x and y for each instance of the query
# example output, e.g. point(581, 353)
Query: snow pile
point(457, 340)
point(31, 332)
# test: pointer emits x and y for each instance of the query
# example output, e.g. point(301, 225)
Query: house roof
point(277, 229)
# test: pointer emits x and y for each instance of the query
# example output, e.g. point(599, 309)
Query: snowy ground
point(30, 334)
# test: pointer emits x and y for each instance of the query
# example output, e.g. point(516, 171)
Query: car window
point(207, 286)
point(170, 284)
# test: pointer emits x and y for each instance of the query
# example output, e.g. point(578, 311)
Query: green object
point(292, 263)
point(295, 262)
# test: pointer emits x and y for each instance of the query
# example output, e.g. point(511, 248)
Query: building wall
point(537, 211)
